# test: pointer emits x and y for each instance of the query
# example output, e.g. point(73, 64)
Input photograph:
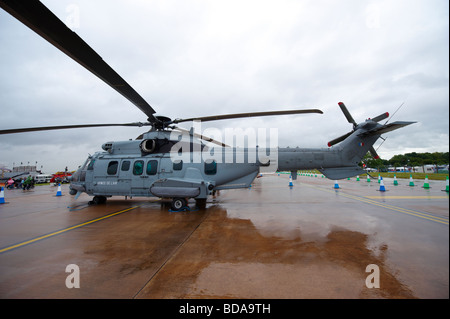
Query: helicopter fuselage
point(159, 166)
point(105, 174)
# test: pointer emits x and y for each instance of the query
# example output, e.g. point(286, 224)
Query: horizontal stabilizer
point(385, 128)
point(341, 172)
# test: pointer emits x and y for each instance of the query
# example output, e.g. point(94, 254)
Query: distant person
point(28, 183)
point(10, 183)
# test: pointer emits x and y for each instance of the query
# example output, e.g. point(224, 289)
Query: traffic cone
point(290, 181)
point(368, 178)
point(336, 185)
point(411, 182)
point(395, 180)
point(2, 196)
point(58, 193)
point(446, 185)
point(426, 185)
point(382, 188)
point(379, 178)
point(357, 178)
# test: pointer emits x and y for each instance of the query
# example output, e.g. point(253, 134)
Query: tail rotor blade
point(347, 114)
point(373, 153)
point(339, 139)
point(381, 117)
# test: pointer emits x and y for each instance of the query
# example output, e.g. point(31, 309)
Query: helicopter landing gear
point(178, 204)
point(200, 203)
point(97, 200)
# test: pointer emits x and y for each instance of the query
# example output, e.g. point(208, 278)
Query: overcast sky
point(197, 58)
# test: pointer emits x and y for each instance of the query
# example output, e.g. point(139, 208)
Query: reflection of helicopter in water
point(160, 163)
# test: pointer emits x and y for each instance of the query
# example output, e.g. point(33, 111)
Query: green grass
point(399, 175)
point(414, 175)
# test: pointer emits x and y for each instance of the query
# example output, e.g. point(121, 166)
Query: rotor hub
point(161, 122)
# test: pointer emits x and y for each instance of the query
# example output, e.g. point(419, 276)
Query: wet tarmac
point(268, 241)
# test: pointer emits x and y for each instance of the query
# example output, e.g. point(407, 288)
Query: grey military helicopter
point(168, 161)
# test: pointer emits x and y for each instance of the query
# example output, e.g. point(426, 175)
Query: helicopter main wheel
point(97, 200)
point(178, 203)
point(200, 203)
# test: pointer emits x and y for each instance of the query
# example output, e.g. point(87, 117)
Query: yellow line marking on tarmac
point(427, 216)
point(407, 197)
point(438, 219)
point(64, 230)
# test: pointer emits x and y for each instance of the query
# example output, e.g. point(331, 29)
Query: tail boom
point(342, 160)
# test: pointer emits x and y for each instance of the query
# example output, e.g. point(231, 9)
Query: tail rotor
point(370, 127)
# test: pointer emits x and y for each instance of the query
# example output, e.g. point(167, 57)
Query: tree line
point(408, 160)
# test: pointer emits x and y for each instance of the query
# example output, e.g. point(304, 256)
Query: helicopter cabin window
point(112, 167)
point(152, 167)
point(138, 168)
point(177, 165)
point(125, 166)
point(210, 167)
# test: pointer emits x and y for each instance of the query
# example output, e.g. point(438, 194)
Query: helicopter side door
point(124, 178)
point(144, 173)
point(87, 174)
point(105, 177)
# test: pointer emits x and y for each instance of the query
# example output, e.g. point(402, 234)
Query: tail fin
point(356, 143)
point(356, 146)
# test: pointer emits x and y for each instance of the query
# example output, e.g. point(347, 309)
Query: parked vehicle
point(42, 178)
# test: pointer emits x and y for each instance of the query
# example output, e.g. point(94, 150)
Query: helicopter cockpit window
point(125, 166)
point(138, 168)
point(177, 165)
point(152, 167)
point(210, 168)
point(112, 167)
point(90, 166)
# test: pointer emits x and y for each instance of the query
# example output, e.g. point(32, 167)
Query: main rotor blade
point(203, 137)
point(240, 115)
point(61, 127)
point(41, 20)
point(347, 114)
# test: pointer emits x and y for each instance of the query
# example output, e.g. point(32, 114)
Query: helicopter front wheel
point(178, 203)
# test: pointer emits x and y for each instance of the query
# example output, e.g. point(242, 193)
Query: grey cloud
point(195, 58)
